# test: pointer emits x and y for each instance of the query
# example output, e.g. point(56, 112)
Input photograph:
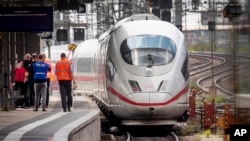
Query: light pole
point(211, 28)
point(49, 49)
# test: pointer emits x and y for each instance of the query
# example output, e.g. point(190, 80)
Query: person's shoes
point(69, 110)
point(35, 110)
point(64, 110)
point(44, 110)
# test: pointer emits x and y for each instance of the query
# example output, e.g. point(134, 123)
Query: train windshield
point(148, 50)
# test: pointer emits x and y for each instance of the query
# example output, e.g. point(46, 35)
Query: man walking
point(64, 73)
point(31, 80)
point(40, 79)
point(49, 75)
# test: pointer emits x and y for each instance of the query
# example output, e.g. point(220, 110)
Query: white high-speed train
point(142, 71)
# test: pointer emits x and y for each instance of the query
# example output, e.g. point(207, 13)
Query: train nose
point(148, 103)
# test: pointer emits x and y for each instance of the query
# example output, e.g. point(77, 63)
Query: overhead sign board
point(26, 19)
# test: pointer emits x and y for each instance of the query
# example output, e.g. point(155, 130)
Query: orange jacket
point(49, 73)
point(63, 70)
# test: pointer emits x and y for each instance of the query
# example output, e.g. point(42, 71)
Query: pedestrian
point(49, 75)
point(19, 75)
point(27, 60)
point(40, 79)
point(64, 73)
point(31, 80)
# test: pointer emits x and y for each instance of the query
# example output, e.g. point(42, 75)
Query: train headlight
point(134, 86)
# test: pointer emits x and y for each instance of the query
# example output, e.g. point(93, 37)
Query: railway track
point(169, 137)
point(223, 79)
point(206, 65)
point(224, 71)
point(204, 76)
point(243, 63)
point(142, 133)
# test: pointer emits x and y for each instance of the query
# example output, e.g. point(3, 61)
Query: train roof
point(135, 17)
point(152, 27)
point(86, 48)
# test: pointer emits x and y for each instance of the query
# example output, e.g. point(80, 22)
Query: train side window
point(185, 69)
point(84, 65)
point(126, 53)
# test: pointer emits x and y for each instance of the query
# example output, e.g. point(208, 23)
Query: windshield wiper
point(150, 60)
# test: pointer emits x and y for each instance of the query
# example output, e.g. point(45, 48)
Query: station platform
point(54, 124)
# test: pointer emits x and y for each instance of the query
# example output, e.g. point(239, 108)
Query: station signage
point(26, 19)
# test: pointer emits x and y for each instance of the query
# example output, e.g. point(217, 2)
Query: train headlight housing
point(134, 86)
point(163, 85)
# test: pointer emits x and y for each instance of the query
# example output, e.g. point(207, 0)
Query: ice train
point(142, 71)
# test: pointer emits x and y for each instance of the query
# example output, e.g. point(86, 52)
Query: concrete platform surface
point(27, 125)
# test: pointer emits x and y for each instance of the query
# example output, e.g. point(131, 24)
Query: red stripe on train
point(120, 96)
point(88, 78)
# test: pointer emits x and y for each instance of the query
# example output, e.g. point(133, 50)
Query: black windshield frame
point(148, 50)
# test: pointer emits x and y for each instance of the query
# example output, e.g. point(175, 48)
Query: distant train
point(82, 61)
point(83, 65)
point(142, 71)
